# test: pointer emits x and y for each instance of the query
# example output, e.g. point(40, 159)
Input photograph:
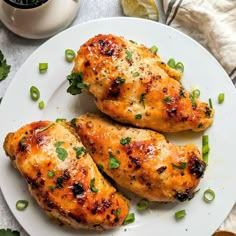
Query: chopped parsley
point(4, 67)
point(125, 141)
point(92, 187)
point(120, 80)
point(138, 116)
point(142, 99)
point(113, 163)
point(58, 144)
point(79, 151)
point(167, 100)
point(76, 83)
point(181, 92)
point(9, 232)
point(117, 212)
point(61, 152)
point(136, 74)
point(73, 121)
point(51, 174)
point(181, 166)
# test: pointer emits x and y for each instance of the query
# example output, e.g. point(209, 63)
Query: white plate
point(201, 70)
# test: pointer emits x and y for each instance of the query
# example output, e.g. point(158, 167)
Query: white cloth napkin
point(213, 24)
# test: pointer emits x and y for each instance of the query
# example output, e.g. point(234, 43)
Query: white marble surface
point(17, 50)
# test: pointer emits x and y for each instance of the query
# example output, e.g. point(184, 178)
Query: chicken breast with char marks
point(63, 178)
point(141, 160)
point(132, 85)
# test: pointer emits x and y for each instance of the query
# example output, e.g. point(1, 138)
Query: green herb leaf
point(22, 142)
point(4, 67)
point(129, 55)
point(138, 117)
point(181, 92)
point(9, 232)
point(117, 212)
point(142, 99)
point(154, 49)
point(45, 128)
point(130, 218)
point(136, 74)
point(181, 166)
point(92, 187)
point(125, 141)
point(167, 100)
point(120, 80)
point(113, 163)
point(79, 151)
point(76, 83)
point(60, 120)
point(51, 174)
point(73, 122)
point(58, 144)
point(61, 153)
point(100, 167)
point(143, 204)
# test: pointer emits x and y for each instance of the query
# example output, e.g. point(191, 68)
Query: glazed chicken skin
point(132, 85)
point(63, 178)
point(141, 160)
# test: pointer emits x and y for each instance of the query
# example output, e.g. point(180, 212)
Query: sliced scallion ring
point(180, 214)
point(41, 105)
point(70, 55)
point(154, 49)
point(34, 93)
point(221, 98)
point(209, 195)
point(171, 63)
point(210, 103)
point(21, 205)
point(196, 93)
point(43, 67)
point(143, 204)
point(179, 67)
point(130, 218)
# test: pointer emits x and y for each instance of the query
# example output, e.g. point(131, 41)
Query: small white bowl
point(41, 21)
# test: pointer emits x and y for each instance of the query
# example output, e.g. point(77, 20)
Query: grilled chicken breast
point(141, 160)
point(63, 178)
point(132, 85)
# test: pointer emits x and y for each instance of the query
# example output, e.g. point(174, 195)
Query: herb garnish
point(125, 141)
point(9, 232)
point(167, 100)
point(92, 187)
point(181, 166)
point(119, 80)
point(142, 99)
point(138, 116)
point(129, 55)
point(113, 163)
point(4, 67)
point(51, 174)
point(61, 152)
point(45, 128)
point(79, 151)
point(136, 74)
point(76, 83)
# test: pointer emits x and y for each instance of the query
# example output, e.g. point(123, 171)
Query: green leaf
point(9, 232)
point(61, 153)
point(113, 163)
point(76, 83)
point(92, 187)
point(125, 141)
point(79, 151)
point(4, 67)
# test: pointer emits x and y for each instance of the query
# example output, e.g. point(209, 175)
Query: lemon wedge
point(140, 8)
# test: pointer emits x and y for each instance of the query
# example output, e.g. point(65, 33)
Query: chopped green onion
point(205, 148)
point(21, 205)
point(43, 67)
point(117, 212)
point(60, 120)
point(181, 166)
point(180, 214)
point(209, 195)
point(143, 204)
point(100, 167)
point(125, 141)
point(138, 116)
point(41, 104)
point(167, 100)
point(70, 55)
point(113, 162)
point(136, 74)
point(179, 67)
point(130, 218)
point(34, 93)
point(154, 49)
point(221, 98)
point(51, 174)
point(129, 55)
point(210, 103)
point(92, 187)
point(171, 63)
point(120, 80)
point(142, 99)
point(45, 128)
point(196, 93)
point(73, 122)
